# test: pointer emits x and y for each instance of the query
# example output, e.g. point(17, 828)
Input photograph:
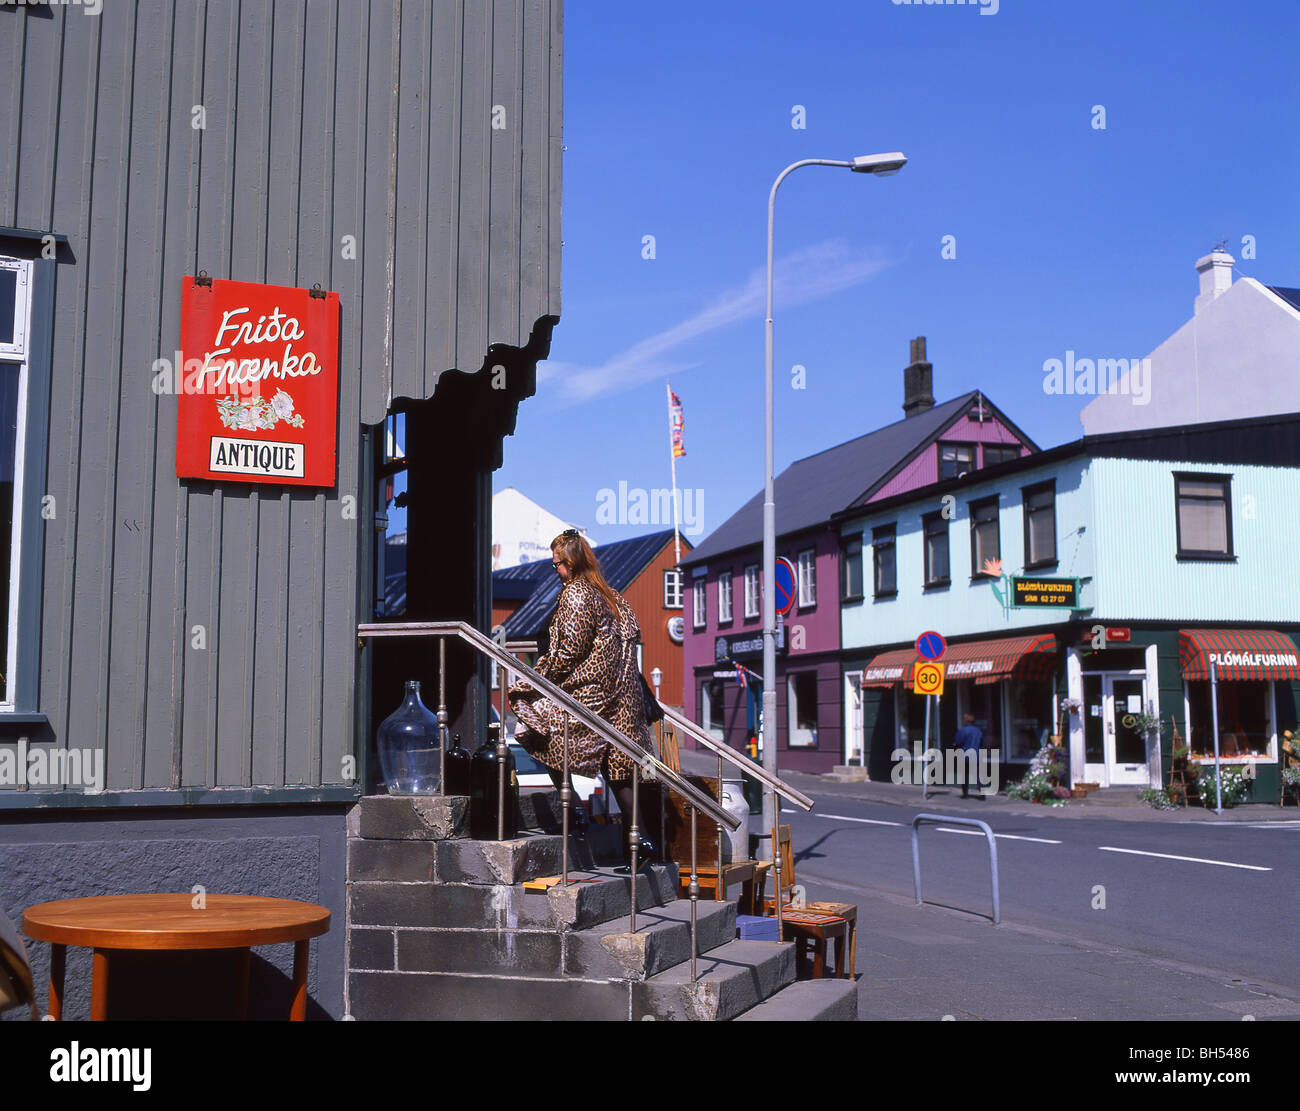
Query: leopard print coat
point(592, 657)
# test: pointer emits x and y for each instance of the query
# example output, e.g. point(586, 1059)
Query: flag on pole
point(677, 422)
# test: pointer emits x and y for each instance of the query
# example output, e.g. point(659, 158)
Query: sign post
point(927, 679)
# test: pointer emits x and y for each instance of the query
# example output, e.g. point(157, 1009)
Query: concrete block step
point(508, 862)
point(732, 979)
point(808, 1001)
point(662, 940)
point(609, 896)
point(413, 817)
point(426, 996)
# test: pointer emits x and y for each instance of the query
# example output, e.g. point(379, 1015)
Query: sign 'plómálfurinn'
point(259, 385)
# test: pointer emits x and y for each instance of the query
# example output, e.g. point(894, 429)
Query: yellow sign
point(927, 677)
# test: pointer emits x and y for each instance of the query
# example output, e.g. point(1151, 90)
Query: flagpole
point(672, 457)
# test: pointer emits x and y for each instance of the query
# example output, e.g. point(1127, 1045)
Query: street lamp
point(655, 676)
point(881, 165)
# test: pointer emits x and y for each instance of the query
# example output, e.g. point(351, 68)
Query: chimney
point(918, 388)
point(1215, 270)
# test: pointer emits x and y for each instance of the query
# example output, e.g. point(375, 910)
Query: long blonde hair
point(571, 549)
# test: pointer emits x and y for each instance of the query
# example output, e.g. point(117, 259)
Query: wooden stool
point(804, 926)
point(849, 912)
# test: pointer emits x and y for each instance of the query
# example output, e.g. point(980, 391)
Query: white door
point(1124, 697)
point(854, 736)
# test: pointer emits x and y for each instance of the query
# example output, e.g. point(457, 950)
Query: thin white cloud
point(806, 275)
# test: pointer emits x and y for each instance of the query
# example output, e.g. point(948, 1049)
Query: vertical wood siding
point(324, 119)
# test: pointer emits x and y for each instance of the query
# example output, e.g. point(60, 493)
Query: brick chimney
point(1215, 270)
point(918, 386)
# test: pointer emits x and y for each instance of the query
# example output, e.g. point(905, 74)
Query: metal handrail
point(746, 765)
point(941, 819)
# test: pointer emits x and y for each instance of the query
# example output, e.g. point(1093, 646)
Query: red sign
point(1119, 634)
point(259, 388)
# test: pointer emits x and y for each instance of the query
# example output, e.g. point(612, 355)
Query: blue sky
point(678, 116)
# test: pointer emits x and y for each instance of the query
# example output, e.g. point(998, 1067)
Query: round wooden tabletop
point(173, 921)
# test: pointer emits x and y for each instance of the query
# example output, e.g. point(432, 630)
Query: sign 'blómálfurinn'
point(258, 392)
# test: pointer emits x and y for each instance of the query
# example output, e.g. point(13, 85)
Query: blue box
point(750, 927)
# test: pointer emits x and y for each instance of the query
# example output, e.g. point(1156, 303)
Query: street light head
point(882, 165)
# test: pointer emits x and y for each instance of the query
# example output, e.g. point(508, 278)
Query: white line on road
point(1189, 859)
point(1000, 836)
point(864, 821)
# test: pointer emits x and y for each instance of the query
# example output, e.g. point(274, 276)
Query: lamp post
point(882, 165)
point(655, 677)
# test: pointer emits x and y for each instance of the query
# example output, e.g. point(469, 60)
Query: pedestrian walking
point(969, 739)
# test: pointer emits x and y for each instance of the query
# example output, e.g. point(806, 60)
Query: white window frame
point(753, 591)
point(1271, 719)
point(807, 576)
point(699, 613)
point(724, 597)
point(17, 354)
point(672, 589)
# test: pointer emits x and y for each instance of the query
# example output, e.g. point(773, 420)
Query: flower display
point(256, 413)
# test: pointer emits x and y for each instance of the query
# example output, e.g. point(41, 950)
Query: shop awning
point(985, 661)
point(1237, 654)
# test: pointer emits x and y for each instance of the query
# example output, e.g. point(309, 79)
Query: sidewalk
point(1120, 803)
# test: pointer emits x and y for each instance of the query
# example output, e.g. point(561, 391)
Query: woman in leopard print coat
point(594, 635)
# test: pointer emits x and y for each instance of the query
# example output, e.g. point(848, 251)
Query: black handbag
point(653, 711)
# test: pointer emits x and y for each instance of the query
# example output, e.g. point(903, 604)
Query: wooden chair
point(808, 921)
point(678, 841)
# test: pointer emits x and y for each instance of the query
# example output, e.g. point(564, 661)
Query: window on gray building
point(985, 542)
point(851, 569)
point(1203, 509)
point(15, 282)
point(884, 566)
point(935, 527)
point(1040, 525)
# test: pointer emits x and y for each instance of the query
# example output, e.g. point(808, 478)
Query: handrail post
point(442, 712)
point(722, 891)
point(501, 754)
point(694, 892)
point(988, 836)
point(635, 834)
point(776, 871)
point(565, 795)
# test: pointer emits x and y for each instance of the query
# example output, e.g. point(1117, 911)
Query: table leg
point(819, 958)
point(747, 896)
point(58, 962)
point(301, 950)
point(245, 962)
point(840, 942)
point(99, 986)
point(853, 948)
point(800, 957)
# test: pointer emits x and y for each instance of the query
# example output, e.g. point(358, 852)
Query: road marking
point(1000, 836)
point(864, 821)
point(1189, 859)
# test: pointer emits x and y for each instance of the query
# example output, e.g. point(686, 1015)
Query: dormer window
point(956, 460)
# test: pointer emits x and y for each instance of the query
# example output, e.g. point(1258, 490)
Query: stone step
point(431, 996)
point(413, 817)
point(463, 860)
point(732, 979)
point(662, 940)
point(827, 1000)
point(583, 905)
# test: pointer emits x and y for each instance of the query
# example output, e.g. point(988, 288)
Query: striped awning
point(985, 661)
point(1237, 654)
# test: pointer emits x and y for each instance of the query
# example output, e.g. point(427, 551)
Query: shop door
point(1126, 748)
point(854, 735)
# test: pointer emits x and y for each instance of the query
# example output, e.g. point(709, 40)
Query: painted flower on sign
point(257, 413)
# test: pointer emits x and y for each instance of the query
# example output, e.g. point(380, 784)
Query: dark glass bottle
point(456, 769)
point(483, 791)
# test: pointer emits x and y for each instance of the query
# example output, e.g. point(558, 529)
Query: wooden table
point(170, 922)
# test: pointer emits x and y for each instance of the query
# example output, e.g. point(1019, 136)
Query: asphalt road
point(1232, 910)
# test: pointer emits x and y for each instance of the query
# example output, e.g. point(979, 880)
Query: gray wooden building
point(200, 636)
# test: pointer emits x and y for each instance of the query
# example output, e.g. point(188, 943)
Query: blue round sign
point(930, 646)
point(784, 579)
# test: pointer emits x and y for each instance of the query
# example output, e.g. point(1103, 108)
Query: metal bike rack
point(940, 819)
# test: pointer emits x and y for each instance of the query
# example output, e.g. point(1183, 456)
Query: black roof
point(513, 584)
point(620, 563)
point(811, 490)
point(1290, 296)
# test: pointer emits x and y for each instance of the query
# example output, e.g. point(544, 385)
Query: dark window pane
point(851, 565)
point(886, 580)
point(955, 459)
point(8, 463)
point(1203, 526)
point(936, 549)
point(999, 453)
point(8, 298)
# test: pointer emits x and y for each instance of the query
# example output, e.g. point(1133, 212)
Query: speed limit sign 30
point(927, 677)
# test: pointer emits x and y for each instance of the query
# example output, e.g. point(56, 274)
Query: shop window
point(390, 519)
point(884, 567)
point(956, 460)
point(672, 590)
point(807, 574)
point(935, 527)
point(801, 695)
point(1031, 718)
point(985, 541)
point(1245, 719)
point(753, 591)
point(712, 707)
point(1040, 525)
point(851, 570)
point(697, 604)
point(15, 286)
point(1000, 453)
point(724, 598)
point(1203, 509)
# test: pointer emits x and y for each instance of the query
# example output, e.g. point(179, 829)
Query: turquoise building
point(1081, 587)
